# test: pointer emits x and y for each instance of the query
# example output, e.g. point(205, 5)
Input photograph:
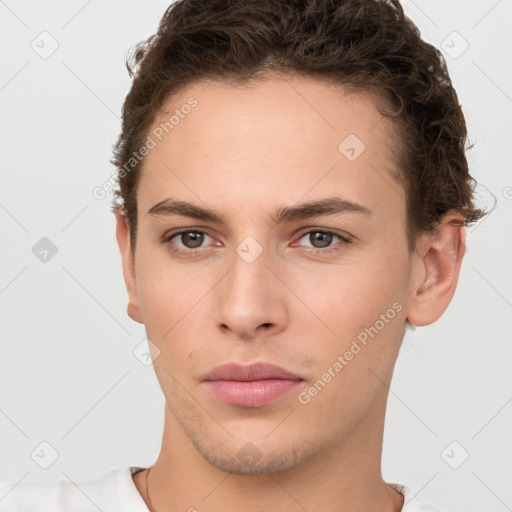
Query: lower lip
point(250, 394)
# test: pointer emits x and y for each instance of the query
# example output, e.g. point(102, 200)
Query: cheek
point(162, 300)
point(350, 296)
point(173, 299)
point(359, 315)
point(368, 323)
point(166, 289)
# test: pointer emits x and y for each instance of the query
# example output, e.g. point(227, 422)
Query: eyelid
point(342, 234)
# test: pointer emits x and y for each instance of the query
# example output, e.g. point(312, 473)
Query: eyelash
point(193, 252)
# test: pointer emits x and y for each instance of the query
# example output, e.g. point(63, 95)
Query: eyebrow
point(322, 207)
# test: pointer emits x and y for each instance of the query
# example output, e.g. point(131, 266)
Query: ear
point(127, 257)
point(438, 259)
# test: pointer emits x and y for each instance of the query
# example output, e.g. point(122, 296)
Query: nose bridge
point(250, 265)
point(249, 296)
point(247, 281)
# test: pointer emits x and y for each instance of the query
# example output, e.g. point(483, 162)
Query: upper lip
point(251, 372)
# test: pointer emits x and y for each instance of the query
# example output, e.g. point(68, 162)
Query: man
point(293, 190)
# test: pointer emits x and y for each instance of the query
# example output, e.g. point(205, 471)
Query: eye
point(321, 240)
point(187, 241)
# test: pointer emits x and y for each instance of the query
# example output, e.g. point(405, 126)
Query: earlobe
point(133, 312)
point(127, 258)
point(437, 268)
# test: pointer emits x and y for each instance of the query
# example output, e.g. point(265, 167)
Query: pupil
point(324, 238)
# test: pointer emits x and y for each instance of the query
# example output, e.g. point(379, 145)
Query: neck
point(342, 477)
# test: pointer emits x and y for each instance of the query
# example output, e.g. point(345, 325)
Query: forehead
point(277, 138)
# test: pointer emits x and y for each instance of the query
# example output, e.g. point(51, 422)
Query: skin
point(246, 151)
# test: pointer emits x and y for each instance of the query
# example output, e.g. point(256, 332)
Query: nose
point(250, 299)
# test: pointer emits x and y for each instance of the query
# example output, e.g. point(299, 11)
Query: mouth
point(253, 385)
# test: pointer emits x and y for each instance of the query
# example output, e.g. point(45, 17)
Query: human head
point(365, 45)
point(297, 311)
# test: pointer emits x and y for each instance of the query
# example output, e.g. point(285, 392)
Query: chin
point(252, 459)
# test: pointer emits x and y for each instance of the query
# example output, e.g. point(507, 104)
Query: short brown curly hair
point(364, 45)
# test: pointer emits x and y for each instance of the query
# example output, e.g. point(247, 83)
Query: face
point(320, 291)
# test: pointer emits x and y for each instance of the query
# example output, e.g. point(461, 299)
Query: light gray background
point(68, 373)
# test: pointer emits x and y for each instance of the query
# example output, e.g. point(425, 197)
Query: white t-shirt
point(114, 492)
